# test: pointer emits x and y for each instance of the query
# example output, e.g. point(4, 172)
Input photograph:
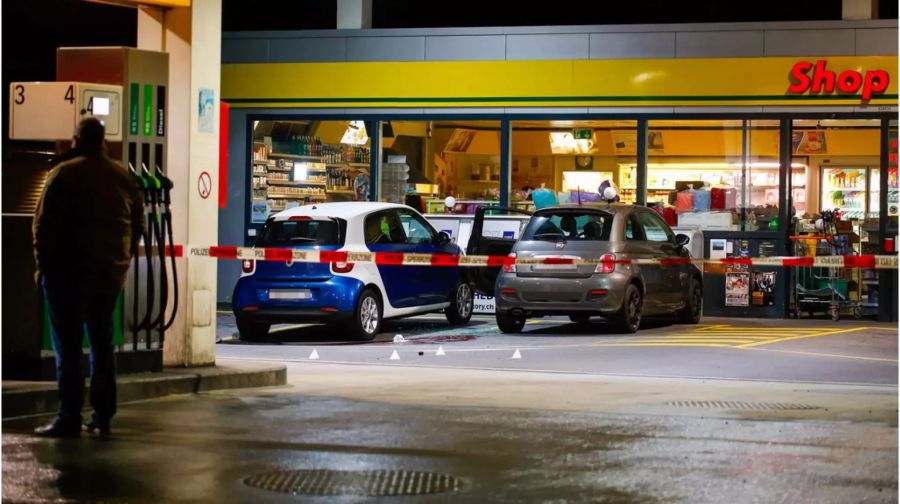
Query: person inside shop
point(87, 225)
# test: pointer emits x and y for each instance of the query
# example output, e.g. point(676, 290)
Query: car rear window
point(303, 232)
point(569, 225)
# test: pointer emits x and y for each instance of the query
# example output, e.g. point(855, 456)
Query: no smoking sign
point(204, 185)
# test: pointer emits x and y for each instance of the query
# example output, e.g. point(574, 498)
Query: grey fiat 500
point(622, 293)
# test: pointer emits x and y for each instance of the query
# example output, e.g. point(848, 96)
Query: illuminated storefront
point(743, 148)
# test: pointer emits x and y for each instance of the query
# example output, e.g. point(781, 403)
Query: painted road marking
point(824, 332)
point(819, 354)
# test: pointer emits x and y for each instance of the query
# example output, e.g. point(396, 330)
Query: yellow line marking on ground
point(695, 340)
point(791, 338)
point(671, 344)
point(817, 354)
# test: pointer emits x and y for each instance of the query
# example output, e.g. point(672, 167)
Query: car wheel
point(510, 323)
point(462, 301)
point(366, 321)
point(580, 318)
point(252, 331)
point(628, 319)
point(693, 306)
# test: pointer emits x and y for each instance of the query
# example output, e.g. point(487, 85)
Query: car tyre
point(366, 322)
point(628, 319)
point(462, 302)
point(693, 307)
point(252, 331)
point(580, 318)
point(510, 323)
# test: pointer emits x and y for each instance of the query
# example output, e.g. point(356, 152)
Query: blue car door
point(433, 283)
point(384, 233)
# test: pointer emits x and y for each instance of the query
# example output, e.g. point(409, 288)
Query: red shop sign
point(815, 78)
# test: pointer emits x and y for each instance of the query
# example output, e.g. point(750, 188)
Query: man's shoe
point(92, 427)
point(58, 429)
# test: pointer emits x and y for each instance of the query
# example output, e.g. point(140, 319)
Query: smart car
point(623, 293)
point(356, 297)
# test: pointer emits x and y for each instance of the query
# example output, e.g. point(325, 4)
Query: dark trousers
point(76, 306)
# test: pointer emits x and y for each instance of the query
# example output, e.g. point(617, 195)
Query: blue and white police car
point(357, 296)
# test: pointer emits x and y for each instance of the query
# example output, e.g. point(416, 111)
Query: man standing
point(88, 222)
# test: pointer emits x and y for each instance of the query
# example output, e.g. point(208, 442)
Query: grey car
point(622, 293)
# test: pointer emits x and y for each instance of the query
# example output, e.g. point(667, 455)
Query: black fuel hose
point(151, 230)
point(167, 187)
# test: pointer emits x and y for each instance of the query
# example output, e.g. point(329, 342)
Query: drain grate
point(741, 405)
point(364, 483)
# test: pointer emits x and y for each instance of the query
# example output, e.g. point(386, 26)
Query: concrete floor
point(673, 414)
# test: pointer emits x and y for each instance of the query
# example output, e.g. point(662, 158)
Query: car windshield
point(569, 225)
point(302, 232)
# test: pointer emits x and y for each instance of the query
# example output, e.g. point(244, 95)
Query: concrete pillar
point(859, 9)
point(354, 14)
point(192, 37)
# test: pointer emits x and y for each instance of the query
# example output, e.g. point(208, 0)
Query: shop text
point(821, 80)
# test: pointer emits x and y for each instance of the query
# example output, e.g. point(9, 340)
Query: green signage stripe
point(148, 110)
point(404, 99)
point(134, 108)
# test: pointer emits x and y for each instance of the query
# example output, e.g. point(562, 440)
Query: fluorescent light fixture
point(564, 143)
point(355, 134)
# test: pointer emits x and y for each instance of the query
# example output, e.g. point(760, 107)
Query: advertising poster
point(763, 292)
point(460, 140)
point(737, 285)
point(809, 142)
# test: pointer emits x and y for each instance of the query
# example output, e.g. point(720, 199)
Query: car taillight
point(607, 264)
point(510, 268)
point(247, 265)
point(342, 267)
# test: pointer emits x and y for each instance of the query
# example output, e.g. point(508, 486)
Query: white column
point(203, 213)
point(354, 14)
point(192, 37)
point(859, 9)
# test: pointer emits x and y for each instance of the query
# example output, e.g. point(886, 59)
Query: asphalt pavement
point(807, 351)
point(732, 410)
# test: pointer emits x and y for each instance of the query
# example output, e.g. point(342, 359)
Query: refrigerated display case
point(846, 188)
point(875, 192)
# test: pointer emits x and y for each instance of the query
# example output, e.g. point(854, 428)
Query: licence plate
point(554, 267)
point(290, 294)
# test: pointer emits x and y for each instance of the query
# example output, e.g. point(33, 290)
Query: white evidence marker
point(440, 352)
point(314, 355)
point(517, 354)
point(395, 356)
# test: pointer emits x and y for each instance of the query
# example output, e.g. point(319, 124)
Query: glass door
point(844, 189)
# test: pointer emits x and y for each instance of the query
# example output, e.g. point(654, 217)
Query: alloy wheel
point(369, 315)
point(634, 309)
point(464, 300)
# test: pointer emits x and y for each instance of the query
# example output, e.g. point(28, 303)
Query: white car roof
point(344, 210)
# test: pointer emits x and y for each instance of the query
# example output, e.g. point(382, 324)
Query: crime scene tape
point(402, 259)
point(171, 250)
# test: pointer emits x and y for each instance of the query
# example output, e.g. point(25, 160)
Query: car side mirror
point(682, 239)
point(442, 238)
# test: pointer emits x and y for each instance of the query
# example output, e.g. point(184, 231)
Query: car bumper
point(329, 300)
point(599, 294)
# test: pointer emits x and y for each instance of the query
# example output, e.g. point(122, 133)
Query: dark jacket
point(88, 219)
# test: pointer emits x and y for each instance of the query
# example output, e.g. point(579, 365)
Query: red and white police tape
point(400, 259)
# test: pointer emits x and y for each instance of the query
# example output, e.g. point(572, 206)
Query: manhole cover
point(741, 405)
point(366, 483)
